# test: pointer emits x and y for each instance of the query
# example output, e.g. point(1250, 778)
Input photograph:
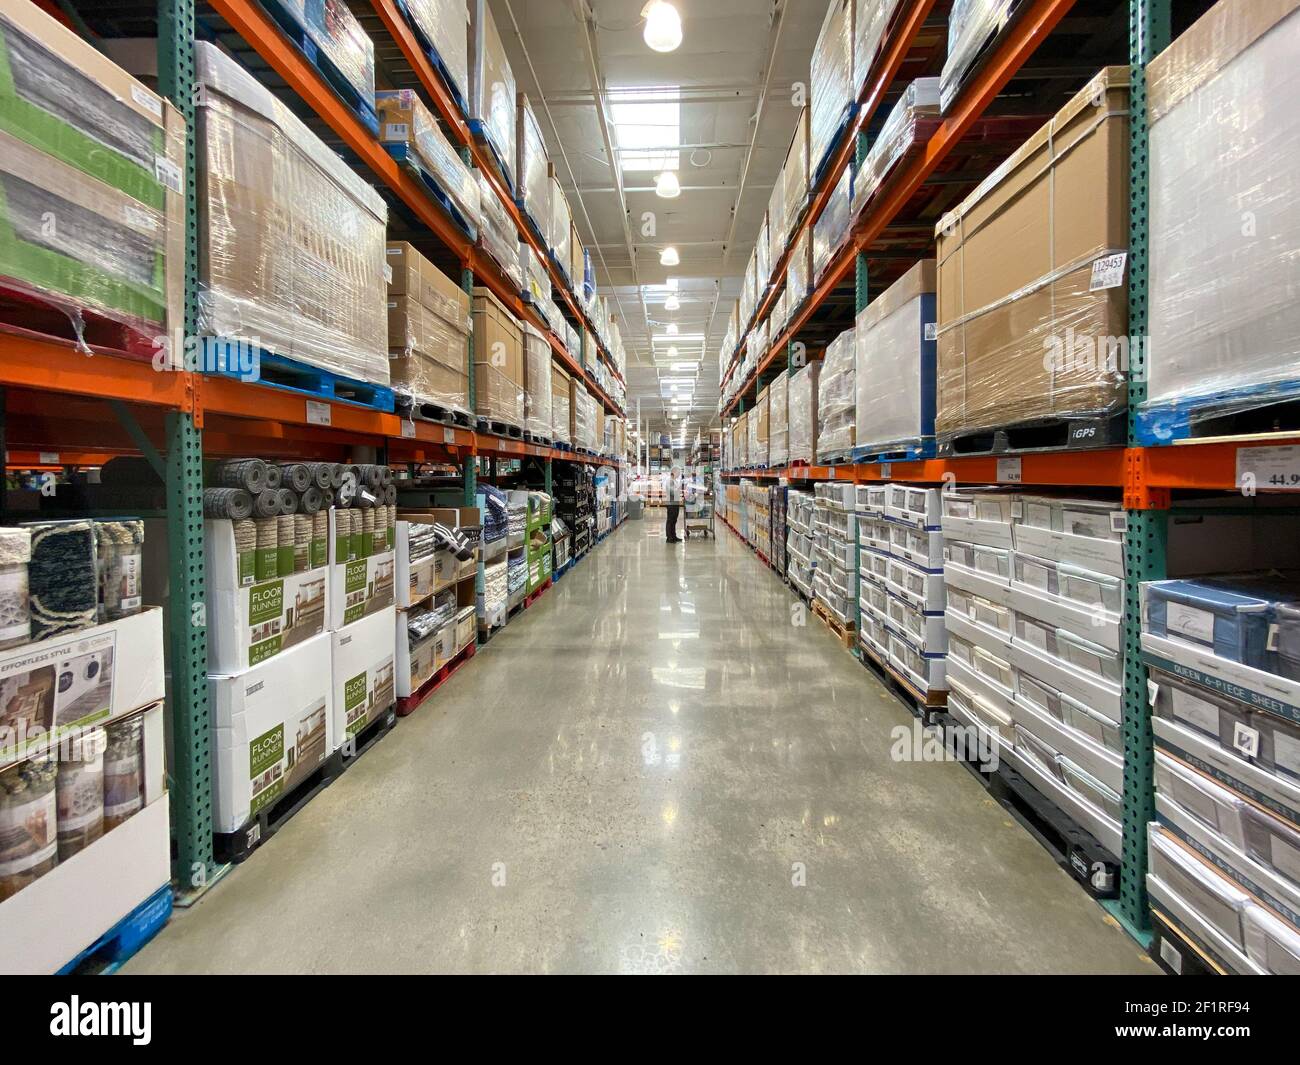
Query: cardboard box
point(360, 586)
point(561, 405)
point(250, 621)
point(498, 360)
point(1023, 331)
point(364, 687)
point(47, 924)
point(272, 727)
point(89, 677)
point(428, 356)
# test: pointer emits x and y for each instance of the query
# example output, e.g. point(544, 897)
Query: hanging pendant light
point(672, 302)
point(663, 26)
point(669, 257)
point(672, 329)
point(666, 186)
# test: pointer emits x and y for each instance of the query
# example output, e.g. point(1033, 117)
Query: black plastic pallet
point(1075, 849)
point(500, 428)
point(436, 413)
point(1177, 953)
point(535, 438)
point(1041, 434)
point(345, 757)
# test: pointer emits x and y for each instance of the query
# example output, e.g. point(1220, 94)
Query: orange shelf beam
point(52, 365)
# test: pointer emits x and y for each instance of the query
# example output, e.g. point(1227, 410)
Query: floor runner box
point(273, 726)
point(362, 656)
point(358, 586)
point(250, 621)
point(55, 690)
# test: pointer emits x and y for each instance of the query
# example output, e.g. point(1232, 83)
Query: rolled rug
point(296, 475)
point(388, 475)
point(273, 477)
point(330, 498)
point(249, 474)
point(336, 475)
point(233, 503)
point(311, 500)
point(267, 504)
point(62, 579)
point(15, 613)
point(119, 554)
point(321, 473)
point(288, 501)
point(390, 494)
point(374, 477)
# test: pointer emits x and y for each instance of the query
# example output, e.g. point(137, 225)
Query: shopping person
point(672, 485)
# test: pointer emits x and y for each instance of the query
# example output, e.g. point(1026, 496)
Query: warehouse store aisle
point(652, 770)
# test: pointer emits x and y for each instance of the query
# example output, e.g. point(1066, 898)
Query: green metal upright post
point(470, 468)
point(191, 771)
point(1148, 513)
point(548, 476)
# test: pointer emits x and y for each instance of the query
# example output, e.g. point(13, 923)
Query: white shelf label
point(1108, 272)
point(1009, 471)
point(931, 330)
point(318, 413)
point(1245, 739)
point(167, 173)
point(1276, 468)
point(885, 470)
point(408, 428)
point(49, 458)
point(448, 435)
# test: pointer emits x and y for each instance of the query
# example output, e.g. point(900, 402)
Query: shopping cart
point(699, 517)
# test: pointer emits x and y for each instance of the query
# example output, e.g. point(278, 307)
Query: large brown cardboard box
point(498, 361)
point(1023, 331)
point(404, 265)
point(561, 405)
point(427, 354)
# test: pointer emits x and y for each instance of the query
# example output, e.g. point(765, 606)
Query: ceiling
point(573, 58)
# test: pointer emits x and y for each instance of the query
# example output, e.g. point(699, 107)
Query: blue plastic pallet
point(532, 222)
point(277, 371)
point(483, 134)
point(435, 59)
point(908, 451)
point(1174, 420)
point(120, 943)
point(403, 155)
point(361, 105)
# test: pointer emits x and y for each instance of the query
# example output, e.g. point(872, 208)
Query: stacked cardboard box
point(1032, 324)
point(405, 121)
point(778, 420)
point(83, 142)
point(498, 361)
point(429, 325)
point(895, 357)
point(802, 396)
point(800, 565)
point(561, 406)
point(900, 563)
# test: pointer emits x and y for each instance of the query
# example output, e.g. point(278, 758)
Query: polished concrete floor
point(655, 769)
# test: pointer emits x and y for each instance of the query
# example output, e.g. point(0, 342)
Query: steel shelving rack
point(1147, 477)
point(109, 405)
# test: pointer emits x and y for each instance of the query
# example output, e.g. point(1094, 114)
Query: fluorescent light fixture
point(672, 302)
point(663, 26)
point(667, 187)
point(669, 257)
point(672, 329)
point(680, 367)
point(672, 351)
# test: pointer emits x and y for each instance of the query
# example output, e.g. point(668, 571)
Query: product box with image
point(250, 621)
point(360, 583)
point(89, 677)
point(272, 727)
point(364, 686)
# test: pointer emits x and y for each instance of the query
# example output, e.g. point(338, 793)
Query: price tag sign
point(1009, 471)
point(1108, 272)
point(1246, 740)
point(1269, 468)
point(885, 470)
point(408, 428)
point(448, 435)
point(318, 413)
point(49, 458)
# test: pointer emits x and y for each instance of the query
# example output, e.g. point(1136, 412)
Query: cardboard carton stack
point(428, 331)
point(498, 361)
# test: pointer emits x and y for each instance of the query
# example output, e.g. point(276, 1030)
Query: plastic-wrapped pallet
point(799, 272)
point(561, 231)
point(871, 18)
point(335, 31)
point(118, 248)
point(837, 397)
point(747, 294)
point(1225, 324)
point(835, 581)
point(832, 226)
point(776, 231)
point(895, 372)
point(497, 234)
point(536, 278)
point(537, 382)
point(429, 324)
point(910, 124)
point(404, 120)
point(794, 175)
point(802, 400)
point(492, 96)
point(758, 430)
point(831, 83)
point(295, 243)
point(778, 420)
point(1032, 322)
point(584, 418)
point(762, 262)
point(534, 187)
point(972, 24)
point(444, 24)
